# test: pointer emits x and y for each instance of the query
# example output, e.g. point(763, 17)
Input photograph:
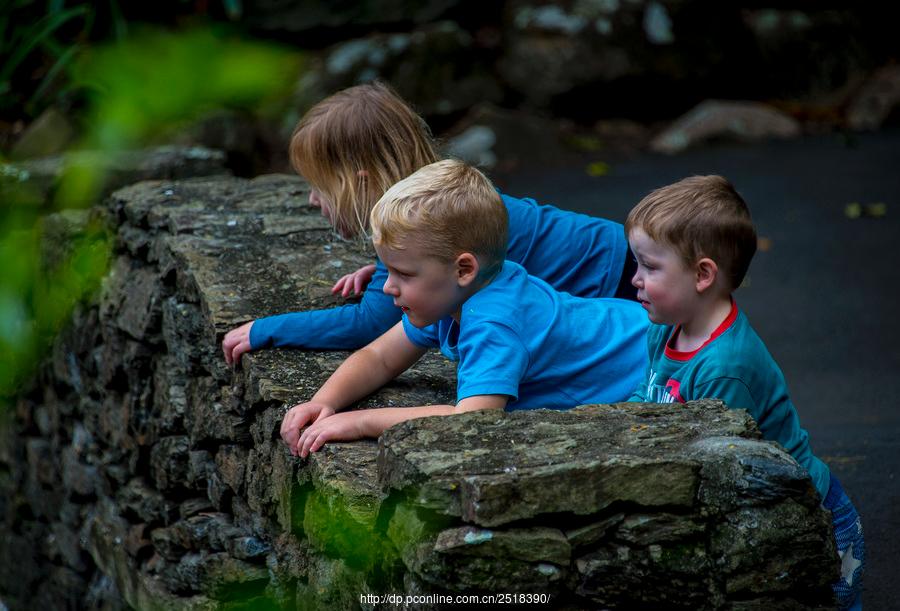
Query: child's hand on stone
point(236, 343)
point(354, 283)
point(339, 427)
point(299, 416)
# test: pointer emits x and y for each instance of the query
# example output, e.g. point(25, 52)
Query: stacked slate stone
point(142, 471)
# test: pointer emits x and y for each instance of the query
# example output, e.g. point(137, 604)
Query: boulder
point(725, 120)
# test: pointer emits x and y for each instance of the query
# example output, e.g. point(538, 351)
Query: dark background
point(574, 92)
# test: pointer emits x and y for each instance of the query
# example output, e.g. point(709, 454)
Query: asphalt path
point(822, 294)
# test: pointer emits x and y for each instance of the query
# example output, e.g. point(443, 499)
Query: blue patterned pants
point(850, 544)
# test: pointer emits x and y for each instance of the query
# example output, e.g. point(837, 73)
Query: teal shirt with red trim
point(732, 365)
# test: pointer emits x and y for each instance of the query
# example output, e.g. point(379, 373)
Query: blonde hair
point(447, 208)
point(355, 144)
point(700, 216)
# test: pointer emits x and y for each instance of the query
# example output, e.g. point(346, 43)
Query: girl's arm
point(373, 422)
point(343, 328)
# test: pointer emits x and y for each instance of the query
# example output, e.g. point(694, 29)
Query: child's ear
point(706, 273)
point(467, 268)
point(363, 173)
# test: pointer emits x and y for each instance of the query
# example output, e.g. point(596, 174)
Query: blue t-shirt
point(576, 253)
point(519, 337)
point(734, 366)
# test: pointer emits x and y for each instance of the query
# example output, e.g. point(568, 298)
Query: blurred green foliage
point(37, 296)
point(143, 87)
point(139, 90)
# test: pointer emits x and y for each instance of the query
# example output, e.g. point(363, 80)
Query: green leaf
point(853, 210)
point(597, 168)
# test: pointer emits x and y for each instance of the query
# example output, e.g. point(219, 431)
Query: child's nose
point(635, 280)
point(314, 199)
point(389, 288)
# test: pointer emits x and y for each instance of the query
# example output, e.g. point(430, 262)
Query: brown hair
point(447, 207)
point(355, 144)
point(700, 216)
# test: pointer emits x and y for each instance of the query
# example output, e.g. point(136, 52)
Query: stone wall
point(142, 471)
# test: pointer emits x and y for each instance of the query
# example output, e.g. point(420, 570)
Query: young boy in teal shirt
point(442, 233)
point(693, 242)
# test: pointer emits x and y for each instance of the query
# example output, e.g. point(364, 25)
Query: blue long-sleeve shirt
point(575, 253)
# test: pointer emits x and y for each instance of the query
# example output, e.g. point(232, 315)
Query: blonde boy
point(520, 344)
point(693, 241)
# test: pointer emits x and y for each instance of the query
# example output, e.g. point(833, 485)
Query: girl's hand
point(354, 283)
point(340, 427)
point(236, 343)
point(299, 416)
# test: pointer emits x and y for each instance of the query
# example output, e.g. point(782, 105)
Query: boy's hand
point(339, 427)
point(299, 416)
point(236, 343)
point(354, 283)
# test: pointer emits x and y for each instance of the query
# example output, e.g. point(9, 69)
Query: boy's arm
point(363, 372)
point(373, 422)
point(733, 391)
point(775, 415)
